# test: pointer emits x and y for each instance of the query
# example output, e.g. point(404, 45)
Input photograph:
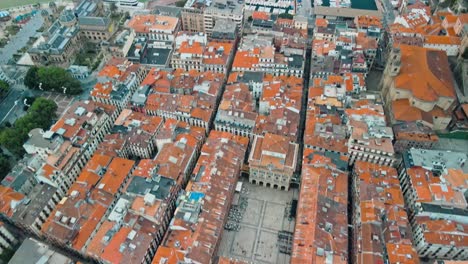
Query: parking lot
point(254, 239)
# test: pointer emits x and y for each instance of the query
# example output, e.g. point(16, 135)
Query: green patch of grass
point(455, 135)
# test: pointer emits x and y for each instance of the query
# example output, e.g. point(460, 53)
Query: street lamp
point(64, 89)
point(40, 87)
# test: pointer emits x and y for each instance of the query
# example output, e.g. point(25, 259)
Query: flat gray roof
point(427, 158)
point(32, 251)
point(32, 206)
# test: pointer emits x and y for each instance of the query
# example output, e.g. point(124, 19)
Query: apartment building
point(78, 216)
point(114, 145)
point(201, 16)
point(195, 231)
point(193, 55)
point(119, 44)
point(321, 230)
point(280, 106)
point(224, 30)
point(324, 129)
point(38, 144)
point(188, 96)
point(370, 139)
point(8, 201)
point(253, 79)
point(174, 130)
point(82, 127)
point(278, 99)
point(136, 225)
point(155, 28)
point(176, 161)
point(117, 82)
point(413, 135)
point(272, 161)
point(266, 59)
point(449, 44)
point(382, 231)
point(418, 87)
point(32, 211)
point(236, 112)
point(434, 187)
point(338, 48)
point(139, 131)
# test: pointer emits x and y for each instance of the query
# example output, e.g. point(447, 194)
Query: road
point(389, 14)
point(18, 41)
point(11, 107)
point(304, 8)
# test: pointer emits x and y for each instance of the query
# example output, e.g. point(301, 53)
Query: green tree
point(4, 87)
point(249, 19)
point(7, 255)
point(10, 139)
point(30, 80)
point(5, 166)
point(40, 115)
point(52, 79)
point(286, 16)
point(113, 7)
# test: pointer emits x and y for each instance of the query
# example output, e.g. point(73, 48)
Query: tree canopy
point(5, 166)
point(4, 87)
point(39, 115)
point(52, 79)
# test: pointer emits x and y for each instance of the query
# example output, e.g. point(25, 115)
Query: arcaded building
point(273, 161)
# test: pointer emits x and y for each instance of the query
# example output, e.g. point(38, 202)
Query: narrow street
point(302, 122)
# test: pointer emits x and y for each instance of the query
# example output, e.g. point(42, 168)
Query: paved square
point(61, 100)
point(273, 217)
point(256, 241)
point(252, 212)
point(243, 243)
point(267, 251)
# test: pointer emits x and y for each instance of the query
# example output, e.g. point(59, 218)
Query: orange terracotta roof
point(463, 18)
point(169, 254)
point(425, 73)
point(245, 59)
point(115, 175)
point(321, 22)
point(97, 245)
point(450, 19)
point(401, 253)
point(368, 21)
point(8, 200)
point(191, 47)
point(145, 23)
point(261, 15)
point(110, 71)
point(111, 252)
point(443, 40)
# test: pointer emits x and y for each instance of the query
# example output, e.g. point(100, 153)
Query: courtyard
point(266, 213)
